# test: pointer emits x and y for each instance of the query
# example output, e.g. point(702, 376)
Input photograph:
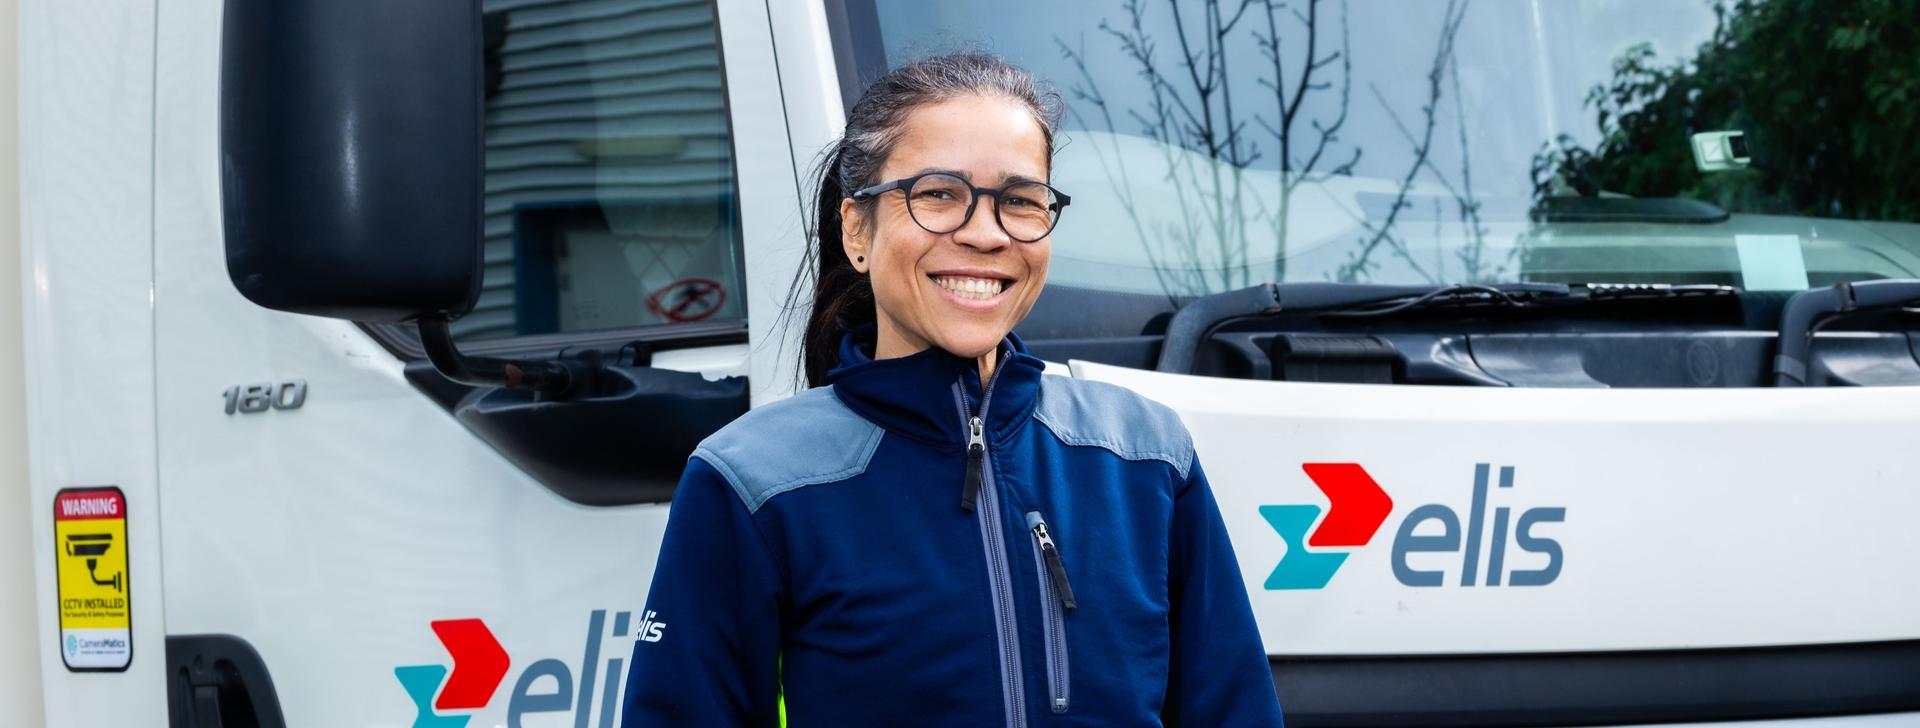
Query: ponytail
point(842, 296)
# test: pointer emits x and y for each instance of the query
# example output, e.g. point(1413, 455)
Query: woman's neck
point(889, 344)
point(987, 362)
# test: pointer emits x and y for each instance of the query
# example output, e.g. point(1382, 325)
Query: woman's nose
point(982, 231)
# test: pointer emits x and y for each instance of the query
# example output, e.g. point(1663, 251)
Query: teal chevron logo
point(1357, 508)
point(420, 682)
point(1300, 568)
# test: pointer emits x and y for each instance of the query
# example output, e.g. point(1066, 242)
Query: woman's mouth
point(971, 288)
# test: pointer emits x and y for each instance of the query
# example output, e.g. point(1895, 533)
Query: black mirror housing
point(351, 155)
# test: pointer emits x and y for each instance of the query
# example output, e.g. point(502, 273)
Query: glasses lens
point(1027, 211)
point(939, 202)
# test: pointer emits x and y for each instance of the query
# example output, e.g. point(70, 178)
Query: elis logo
point(1357, 508)
point(480, 666)
point(479, 663)
point(1448, 539)
point(649, 629)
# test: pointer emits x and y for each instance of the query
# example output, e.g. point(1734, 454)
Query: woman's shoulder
point(1131, 425)
point(808, 438)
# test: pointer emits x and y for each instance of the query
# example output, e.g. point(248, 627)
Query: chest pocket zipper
point(1056, 596)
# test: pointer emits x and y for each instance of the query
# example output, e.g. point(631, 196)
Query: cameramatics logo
point(480, 664)
point(1358, 506)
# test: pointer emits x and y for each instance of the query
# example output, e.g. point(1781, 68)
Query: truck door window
point(610, 195)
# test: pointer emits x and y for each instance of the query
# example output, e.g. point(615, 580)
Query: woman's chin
point(971, 342)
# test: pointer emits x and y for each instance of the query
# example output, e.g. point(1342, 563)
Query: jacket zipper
point(1056, 593)
point(976, 457)
point(980, 476)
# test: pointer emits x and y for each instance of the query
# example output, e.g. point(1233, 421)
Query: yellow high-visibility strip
point(782, 693)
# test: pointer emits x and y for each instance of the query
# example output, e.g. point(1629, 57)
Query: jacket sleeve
point(714, 611)
point(1218, 670)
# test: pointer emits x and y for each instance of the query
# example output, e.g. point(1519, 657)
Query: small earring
point(859, 259)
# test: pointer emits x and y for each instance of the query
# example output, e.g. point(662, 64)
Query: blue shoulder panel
point(807, 439)
point(1105, 415)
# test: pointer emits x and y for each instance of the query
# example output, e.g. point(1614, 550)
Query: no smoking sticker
point(90, 558)
point(688, 299)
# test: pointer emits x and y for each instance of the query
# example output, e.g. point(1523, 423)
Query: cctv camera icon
point(92, 546)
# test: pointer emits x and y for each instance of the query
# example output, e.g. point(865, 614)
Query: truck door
point(442, 552)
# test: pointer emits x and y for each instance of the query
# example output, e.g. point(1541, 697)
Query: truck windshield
point(1211, 145)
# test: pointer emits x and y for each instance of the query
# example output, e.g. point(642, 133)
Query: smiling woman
point(818, 564)
point(933, 130)
point(941, 275)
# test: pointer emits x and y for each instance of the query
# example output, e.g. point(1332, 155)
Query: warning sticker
point(90, 556)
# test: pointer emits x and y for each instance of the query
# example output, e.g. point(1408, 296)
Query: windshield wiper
point(1532, 295)
point(1671, 210)
point(1808, 310)
point(1196, 320)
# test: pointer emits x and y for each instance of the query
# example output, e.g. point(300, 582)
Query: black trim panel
point(403, 340)
point(1600, 687)
point(219, 680)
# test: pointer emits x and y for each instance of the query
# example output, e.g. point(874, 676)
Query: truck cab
point(1545, 371)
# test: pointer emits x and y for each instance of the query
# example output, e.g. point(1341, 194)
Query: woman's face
point(961, 291)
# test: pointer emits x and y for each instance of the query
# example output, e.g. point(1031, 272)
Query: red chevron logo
point(479, 664)
point(1357, 505)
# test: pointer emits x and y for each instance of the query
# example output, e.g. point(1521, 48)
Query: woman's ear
point(853, 234)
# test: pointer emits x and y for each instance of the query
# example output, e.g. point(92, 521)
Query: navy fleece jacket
point(907, 547)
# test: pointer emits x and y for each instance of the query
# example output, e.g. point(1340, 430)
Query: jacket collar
point(914, 395)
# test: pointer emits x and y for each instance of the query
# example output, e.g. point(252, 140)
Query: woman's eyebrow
point(941, 170)
point(1005, 179)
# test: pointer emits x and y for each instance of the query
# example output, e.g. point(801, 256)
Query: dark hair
point(842, 296)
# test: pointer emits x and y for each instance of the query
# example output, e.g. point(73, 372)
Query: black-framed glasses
point(942, 203)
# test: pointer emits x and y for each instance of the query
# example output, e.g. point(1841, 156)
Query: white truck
point(364, 342)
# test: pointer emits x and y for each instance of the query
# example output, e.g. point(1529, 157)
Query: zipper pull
point(976, 457)
point(1056, 568)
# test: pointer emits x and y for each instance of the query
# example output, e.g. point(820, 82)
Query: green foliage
point(1827, 91)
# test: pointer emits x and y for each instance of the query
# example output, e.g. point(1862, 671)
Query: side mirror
point(351, 154)
point(351, 166)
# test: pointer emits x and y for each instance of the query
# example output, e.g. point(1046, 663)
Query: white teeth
point(978, 289)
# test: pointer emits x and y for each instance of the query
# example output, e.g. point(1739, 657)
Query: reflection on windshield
point(1793, 108)
point(1212, 145)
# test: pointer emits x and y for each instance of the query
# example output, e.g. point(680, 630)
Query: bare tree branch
point(1470, 257)
point(1407, 134)
point(1360, 263)
point(1089, 90)
point(1306, 75)
point(1138, 47)
point(1228, 26)
point(1203, 88)
point(1207, 140)
point(1331, 131)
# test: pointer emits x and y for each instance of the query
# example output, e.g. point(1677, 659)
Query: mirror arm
point(549, 378)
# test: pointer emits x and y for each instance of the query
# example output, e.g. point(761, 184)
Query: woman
point(934, 533)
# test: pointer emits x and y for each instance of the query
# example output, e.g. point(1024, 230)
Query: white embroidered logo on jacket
point(650, 631)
